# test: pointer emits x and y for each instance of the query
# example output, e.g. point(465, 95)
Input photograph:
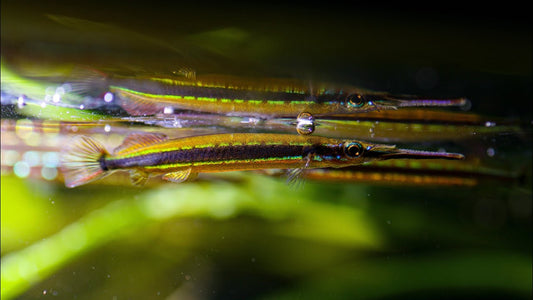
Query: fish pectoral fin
point(138, 178)
point(180, 176)
point(295, 178)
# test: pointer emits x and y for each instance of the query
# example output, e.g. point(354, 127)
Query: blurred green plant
point(309, 220)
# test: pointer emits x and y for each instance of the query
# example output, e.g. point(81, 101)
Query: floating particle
point(491, 152)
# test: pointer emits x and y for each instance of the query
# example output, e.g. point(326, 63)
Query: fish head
point(366, 103)
point(358, 152)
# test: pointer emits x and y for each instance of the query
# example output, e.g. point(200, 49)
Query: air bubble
point(49, 173)
point(21, 101)
point(50, 159)
point(56, 98)
point(23, 128)
point(21, 169)
point(66, 87)
point(32, 158)
point(10, 157)
point(108, 97)
point(60, 90)
point(305, 123)
point(168, 110)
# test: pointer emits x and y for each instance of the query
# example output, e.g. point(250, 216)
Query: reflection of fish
point(417, 173)
point(179, 159)
point(266, 98)
point(372, 126)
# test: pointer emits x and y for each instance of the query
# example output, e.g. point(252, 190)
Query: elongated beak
point(391, 152)
point(387, 102)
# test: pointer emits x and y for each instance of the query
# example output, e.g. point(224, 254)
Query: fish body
point(177, 160)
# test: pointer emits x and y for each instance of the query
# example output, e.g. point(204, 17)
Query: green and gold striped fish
point(256, 97)
point(177, 160)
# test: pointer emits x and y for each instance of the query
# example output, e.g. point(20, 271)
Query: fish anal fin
point(135, 141)
point(138, 177)
point(180, 176)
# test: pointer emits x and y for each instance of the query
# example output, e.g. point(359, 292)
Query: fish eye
point(355, 100)
point(353, 150)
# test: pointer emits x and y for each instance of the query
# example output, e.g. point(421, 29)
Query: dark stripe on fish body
point(226, 153)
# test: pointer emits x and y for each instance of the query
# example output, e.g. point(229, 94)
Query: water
point(247, 235)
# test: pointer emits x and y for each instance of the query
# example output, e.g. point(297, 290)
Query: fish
point(370, 126)
point(177, 160)
point(145, 95)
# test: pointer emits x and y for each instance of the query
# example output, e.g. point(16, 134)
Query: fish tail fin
point(81, 161)
point(87, 81)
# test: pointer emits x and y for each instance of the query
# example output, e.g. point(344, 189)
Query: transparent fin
point(86, 81)
point(295, 179)
point(80, 161)
point(137, 105)
point(135, 141)
point(138, 177)
point(180, 176)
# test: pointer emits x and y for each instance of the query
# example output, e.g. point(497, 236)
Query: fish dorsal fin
point(180, 176)
point(135, 141)
point(136, 105)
